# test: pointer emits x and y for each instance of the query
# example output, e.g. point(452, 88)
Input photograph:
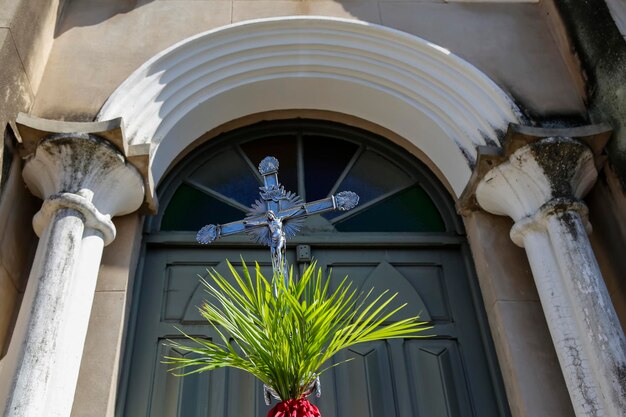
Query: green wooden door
point(170, 294)
point(404, 236)
point(443, 376)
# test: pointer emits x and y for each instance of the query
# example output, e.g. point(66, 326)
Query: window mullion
point(300, 165)
point(347, 169)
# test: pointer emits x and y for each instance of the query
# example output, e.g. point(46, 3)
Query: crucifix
point(279, 214)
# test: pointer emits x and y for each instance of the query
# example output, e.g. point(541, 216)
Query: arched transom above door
point(219, 181)
point(418, 90)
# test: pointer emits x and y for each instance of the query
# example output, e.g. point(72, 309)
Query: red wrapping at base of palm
point(294, 408)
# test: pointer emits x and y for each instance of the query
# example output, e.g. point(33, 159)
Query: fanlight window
point(221, 181)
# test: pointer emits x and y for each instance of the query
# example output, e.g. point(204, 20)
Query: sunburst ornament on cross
point(278, 215)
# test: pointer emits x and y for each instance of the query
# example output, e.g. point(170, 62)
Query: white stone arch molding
point(418, 90)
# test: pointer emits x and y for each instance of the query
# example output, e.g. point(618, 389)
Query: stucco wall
point(98, 44)
point(104, 347)
point(618, 11)
point(518, 326)
point(26, 37)
point(17, 244)
point(597, 39)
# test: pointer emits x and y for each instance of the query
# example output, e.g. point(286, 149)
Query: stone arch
point(418, 90)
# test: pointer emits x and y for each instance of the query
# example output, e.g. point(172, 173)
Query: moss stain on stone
point(570, 223)
point(558, 157)
point(81, 153)
point(602, 50)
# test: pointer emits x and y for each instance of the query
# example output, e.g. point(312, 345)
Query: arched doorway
point(404, 236)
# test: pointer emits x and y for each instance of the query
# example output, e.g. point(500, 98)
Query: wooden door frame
point(453, 238)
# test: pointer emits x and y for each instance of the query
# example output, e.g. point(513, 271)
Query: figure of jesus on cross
point(278, 238)
point(279, 214)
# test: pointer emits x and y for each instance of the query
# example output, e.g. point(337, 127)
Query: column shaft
point(81, 298)
point(598, 324)
point(574, 360)
point(59, 248)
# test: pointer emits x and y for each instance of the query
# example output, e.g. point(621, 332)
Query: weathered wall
point(26, 37)
point(598, 35)
point(17, 247)
point(618, 11)
point(602, 49)
point(98, 44)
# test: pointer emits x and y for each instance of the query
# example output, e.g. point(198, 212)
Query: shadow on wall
point(84, 13)
point(98, 44)
point(100, 40)
point(17, 240)
point(79, 13)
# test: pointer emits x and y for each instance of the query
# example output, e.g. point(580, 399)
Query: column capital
point(64, 157)
point(534, 167)
point(533, 175)
point(538, 220)
point(82, 166)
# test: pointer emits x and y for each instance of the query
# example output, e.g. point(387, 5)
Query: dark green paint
point(445, 376)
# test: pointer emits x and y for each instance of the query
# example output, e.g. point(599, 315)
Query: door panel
point(394, 378)
point(202, 395)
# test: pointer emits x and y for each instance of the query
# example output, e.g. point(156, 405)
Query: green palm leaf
point(285, 336)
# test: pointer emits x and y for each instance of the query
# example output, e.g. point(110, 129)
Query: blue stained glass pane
point(324, 160)
point(190, 209)
point(411, 210)
point(281, 147)
point(228, 174)
point(372, 176)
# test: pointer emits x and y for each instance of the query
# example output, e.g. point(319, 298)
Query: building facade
point(485, 139)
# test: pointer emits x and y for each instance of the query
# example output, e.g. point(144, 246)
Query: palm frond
point(286, 338)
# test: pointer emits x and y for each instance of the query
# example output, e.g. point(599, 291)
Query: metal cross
point(279, 214)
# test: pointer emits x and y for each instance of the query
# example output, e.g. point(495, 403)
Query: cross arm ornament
point(342, 201)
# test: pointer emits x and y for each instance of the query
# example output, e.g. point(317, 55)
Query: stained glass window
point(397, 214)
point(189, 208)
point(325, 159)
point(228, 174)
point(222, 182)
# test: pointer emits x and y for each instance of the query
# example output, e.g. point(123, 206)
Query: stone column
point(84, 181)
point(539, 183)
